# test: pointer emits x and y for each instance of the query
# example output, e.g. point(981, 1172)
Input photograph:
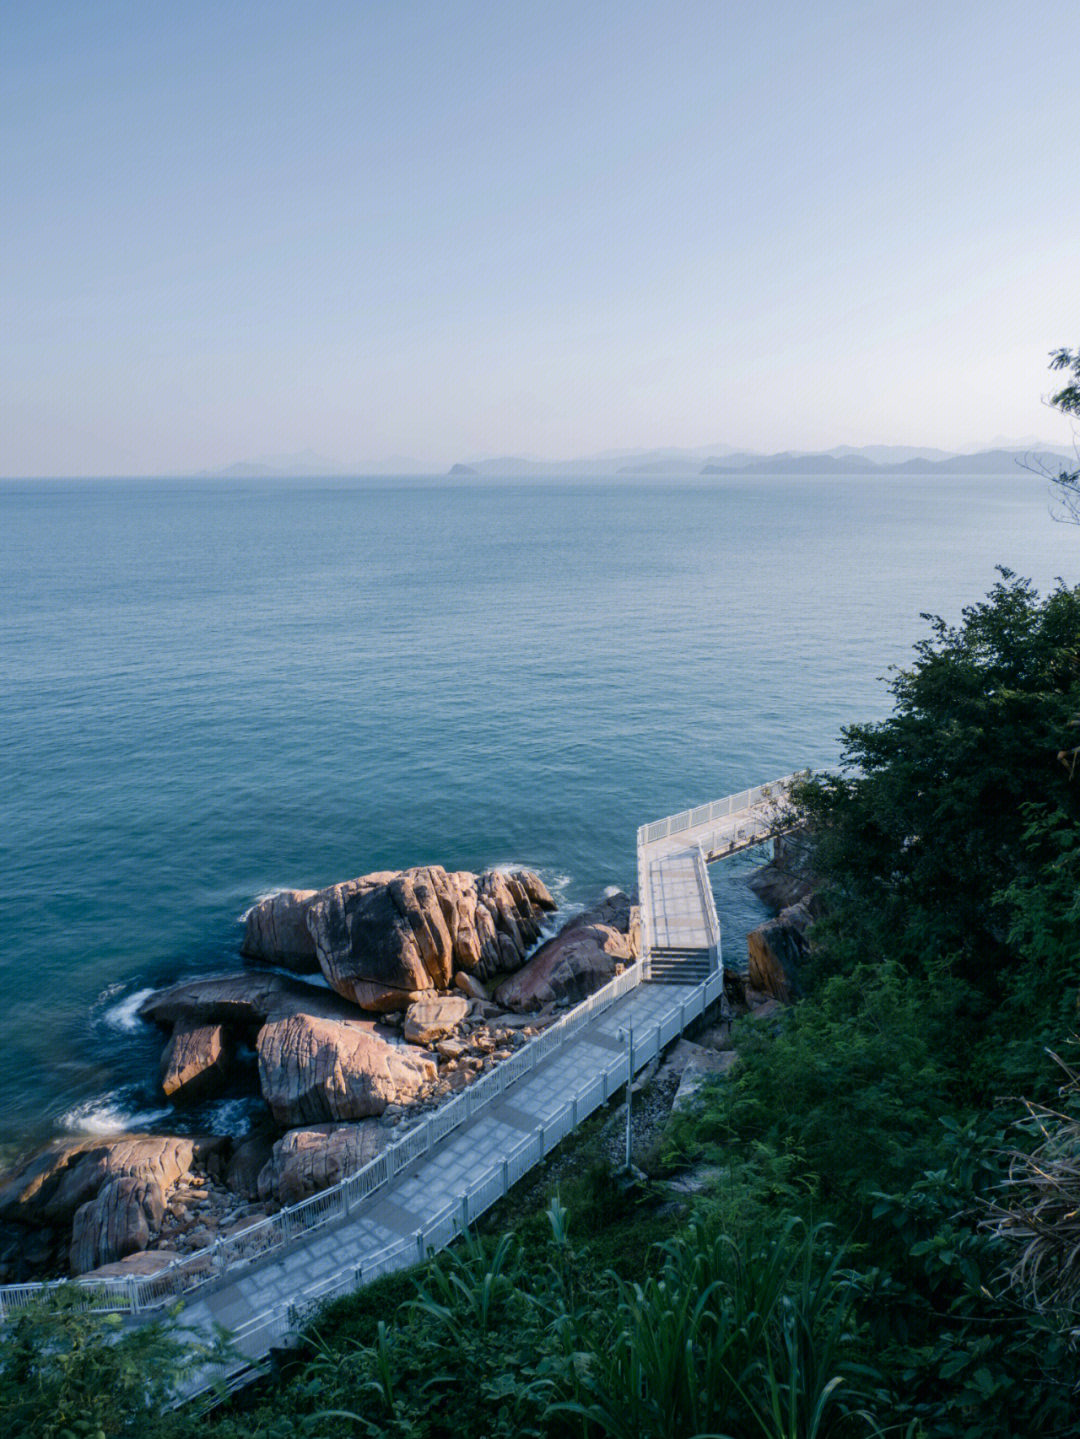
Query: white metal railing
point(133, 1293)
point(644, 912)
point(708, 904)
point(731, 804)
point(488, 1185)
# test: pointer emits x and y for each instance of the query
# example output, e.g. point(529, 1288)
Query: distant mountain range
point(306, 464)
point(844, 460)
point(1003, 458)
point(982, 462)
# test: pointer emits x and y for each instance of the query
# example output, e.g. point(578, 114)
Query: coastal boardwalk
point(447, 1171)
point(423, 1208)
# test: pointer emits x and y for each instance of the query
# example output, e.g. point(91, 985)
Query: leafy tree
point(929, 824)
point(1065, 481)
point(1067, 400)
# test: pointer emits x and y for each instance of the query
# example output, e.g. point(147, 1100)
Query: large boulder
point(276, 931)
point(247, 1163)
point(115, 1190)
point(384, 939)
point(318, 1156)
point(580, 959)
point(50, 1186)
point(313, 1070)
point(244, 1002)
point(195, 1062)
point(777, 951)
point(789, 876)
point(119, 1220)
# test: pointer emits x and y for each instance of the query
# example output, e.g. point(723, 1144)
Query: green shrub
point(69, 1374)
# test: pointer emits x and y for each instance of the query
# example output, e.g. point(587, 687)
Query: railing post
point(506, 1176)
point(420, 1245)
point(464, 1212)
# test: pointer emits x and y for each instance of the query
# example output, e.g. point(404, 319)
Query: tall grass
point(731, 1340)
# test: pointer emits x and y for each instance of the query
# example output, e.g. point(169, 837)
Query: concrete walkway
point(425, 1206)
point(680, 930)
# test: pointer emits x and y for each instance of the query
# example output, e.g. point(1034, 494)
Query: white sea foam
point(557, 883)
point(109, 1114)
point(231, 1116)
point(267, 894)
point(125, 1014)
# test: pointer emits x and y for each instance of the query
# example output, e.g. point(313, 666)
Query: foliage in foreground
point(948, 961)
point(1067, 400)
point(67, 1374)
point(1039, 1210)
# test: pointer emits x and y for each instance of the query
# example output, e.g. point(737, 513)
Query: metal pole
point(629, 1085)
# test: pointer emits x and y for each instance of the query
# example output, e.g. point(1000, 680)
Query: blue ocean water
point(211, 690)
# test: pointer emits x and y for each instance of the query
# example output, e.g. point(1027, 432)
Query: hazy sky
point(452, 230)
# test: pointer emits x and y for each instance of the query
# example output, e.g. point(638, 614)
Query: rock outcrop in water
point(276, 932)
point(583, 956)
point(384, 939)
point(778, 949)
point(417, 944)
point(195, 1062)
point(789, 876)
point(243, 1002)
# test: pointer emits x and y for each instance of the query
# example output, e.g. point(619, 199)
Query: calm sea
point(212, 690)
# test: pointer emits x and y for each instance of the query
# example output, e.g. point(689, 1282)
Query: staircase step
point(672, 964)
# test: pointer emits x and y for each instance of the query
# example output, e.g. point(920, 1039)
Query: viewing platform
point(679, 927)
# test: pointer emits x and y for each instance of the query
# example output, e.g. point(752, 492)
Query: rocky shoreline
point(402, 989)
point(364, 1006)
